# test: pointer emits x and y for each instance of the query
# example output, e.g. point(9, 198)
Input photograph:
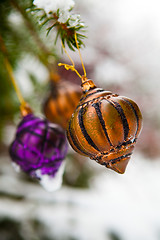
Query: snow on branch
point(54, 5)
point(58, 14)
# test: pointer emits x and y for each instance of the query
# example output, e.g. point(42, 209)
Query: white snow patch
point(54, 5)
point(51, 183)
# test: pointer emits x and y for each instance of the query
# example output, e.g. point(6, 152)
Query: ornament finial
point(87, 84)
point(120, 166)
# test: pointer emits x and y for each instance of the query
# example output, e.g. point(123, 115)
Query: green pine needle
point(65, 31)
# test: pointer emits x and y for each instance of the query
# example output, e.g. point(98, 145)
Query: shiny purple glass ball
point(38, 145)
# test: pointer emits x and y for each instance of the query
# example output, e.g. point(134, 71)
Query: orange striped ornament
point(105, 127)
point(61, 103)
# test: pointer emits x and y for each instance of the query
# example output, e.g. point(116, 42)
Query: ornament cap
point(55, 77)
point(87, 84)
point(25, 109)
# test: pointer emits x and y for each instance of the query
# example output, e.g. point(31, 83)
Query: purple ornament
point(39, 147)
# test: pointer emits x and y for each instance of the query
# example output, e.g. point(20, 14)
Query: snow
point(54, 5)
point(74, 20)
point(50, 183)
point(127, 205)
point(63, 16)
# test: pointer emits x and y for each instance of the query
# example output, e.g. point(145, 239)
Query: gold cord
point(23, 105)
point(84, 70)
point(10, 73)
point(72, 67)
point(67, 54)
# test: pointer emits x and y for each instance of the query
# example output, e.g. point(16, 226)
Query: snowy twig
point(58, 15)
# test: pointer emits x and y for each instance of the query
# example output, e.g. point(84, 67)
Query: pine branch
point(31, 28)
point(66, 24)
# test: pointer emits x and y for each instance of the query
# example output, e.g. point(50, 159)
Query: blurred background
point(121, 54)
